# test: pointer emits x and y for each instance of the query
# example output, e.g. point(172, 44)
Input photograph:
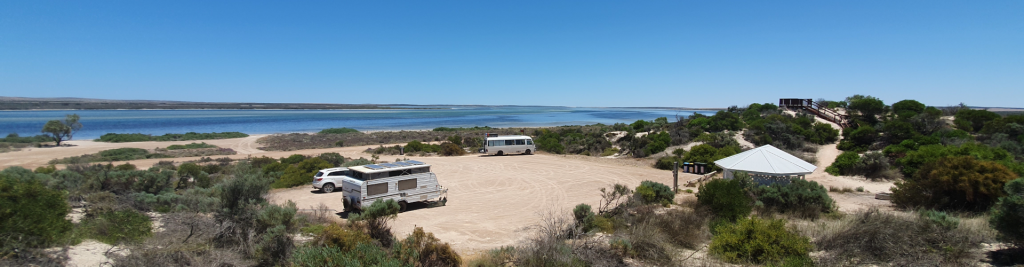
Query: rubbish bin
point(702, 168)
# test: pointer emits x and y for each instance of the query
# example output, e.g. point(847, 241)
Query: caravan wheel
point(402, 206)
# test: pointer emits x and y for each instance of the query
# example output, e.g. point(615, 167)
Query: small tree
point(60, 131)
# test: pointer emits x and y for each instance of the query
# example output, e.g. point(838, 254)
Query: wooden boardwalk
point(818, 110)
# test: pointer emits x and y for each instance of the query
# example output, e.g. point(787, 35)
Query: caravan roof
point(386, 167)
point(509, 137)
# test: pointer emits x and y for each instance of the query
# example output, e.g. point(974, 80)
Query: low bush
point(609, 151)
point(1008, 214)
point(668, 163)
point(116, 227)
point(726, 198)
point(190, 146)
point(451, 149)
point(301, 174)
point(338, 131)
point(584, 217)
point(32, 215)
point(685, 228)
point(138, 137)
point(424, 249)
point(362, 255)
point(654, 192)
point(954, 183)
point(758, 241)
point(461, 129)
point(806, 199)
point(844, 164)
point(876, 237)
point(333, 158)
point(377, 217)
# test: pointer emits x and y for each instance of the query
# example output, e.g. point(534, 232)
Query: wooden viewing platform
point(817, 109)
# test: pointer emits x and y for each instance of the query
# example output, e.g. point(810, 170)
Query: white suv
point(329, 179)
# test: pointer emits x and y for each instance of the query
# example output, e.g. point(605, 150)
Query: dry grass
point(873, 236)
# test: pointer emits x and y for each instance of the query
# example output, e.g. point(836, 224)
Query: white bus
point(509, 144)
point(403, 181)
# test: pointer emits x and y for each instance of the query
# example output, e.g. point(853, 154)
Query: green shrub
point(344, 238)
point(844, 163)
point(377, 217)
point(115, 227)
point(973, 120)
point(929, 153)
point(805, 198)
point(726, 198)
point(610, 151)
point(451, 149)
point(293, 159)
point(758, 241)
point(584, 217)
point(654, 192)
point(190, 146)
point(954, 183)
point(301, 174)
point(333, 158)
point(707, 153)
point(1008, 214)
point(31, 215)
point(461, 129)
point(138, 137)
point(426, 250)
point(50, 169)
point(338, 131)
point(362, 255)
point(667, 163)
point(940, 218)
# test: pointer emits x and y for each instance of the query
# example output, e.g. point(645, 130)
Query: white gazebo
point(766, 164)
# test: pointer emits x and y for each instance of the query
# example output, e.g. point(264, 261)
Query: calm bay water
point(159, 122)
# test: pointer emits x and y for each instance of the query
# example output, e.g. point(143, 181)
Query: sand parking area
point(492, 200)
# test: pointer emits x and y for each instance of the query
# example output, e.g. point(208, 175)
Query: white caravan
point(509, 144)
point(404, 181)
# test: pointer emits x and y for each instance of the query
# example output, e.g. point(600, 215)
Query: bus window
point(529, 142)
point(510, 142)
point(520, 142)
point(495, 143)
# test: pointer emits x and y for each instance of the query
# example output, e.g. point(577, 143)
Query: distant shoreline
point(53, 104)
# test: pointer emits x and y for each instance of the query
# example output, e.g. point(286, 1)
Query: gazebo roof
point(767, 160)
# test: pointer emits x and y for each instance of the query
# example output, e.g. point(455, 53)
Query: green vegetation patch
point(118, 154)
point(759, 241)
point(190, 146)
point(338, 131)
point(189, 136)
point(461, 129)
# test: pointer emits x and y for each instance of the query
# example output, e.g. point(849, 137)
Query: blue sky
point(566, 53)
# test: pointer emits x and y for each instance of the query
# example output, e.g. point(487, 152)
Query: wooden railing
point(702, 179)
point(817, 109)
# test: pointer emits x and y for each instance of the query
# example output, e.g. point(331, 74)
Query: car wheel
point(327, 188)
point(500, 153)
point(528, 152)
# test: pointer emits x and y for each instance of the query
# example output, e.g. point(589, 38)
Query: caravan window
point(376, 189)
point(407, 184)
point(520, 142)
